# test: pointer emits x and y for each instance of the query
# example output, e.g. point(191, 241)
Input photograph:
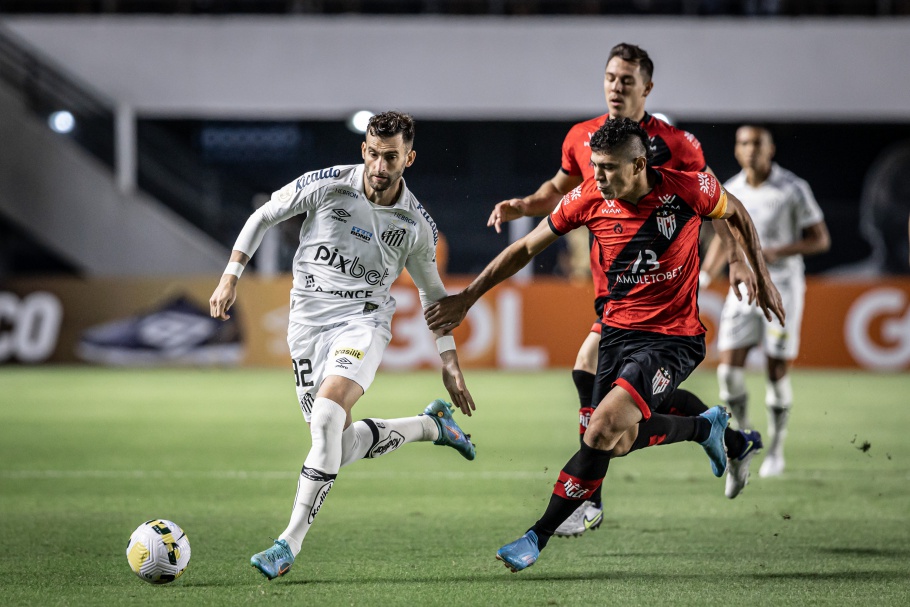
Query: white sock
point(779, 399)
point(732, 383)
point(369, 438)
point(319, 470)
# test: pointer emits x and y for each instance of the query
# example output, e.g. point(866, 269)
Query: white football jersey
point(351, 250)
point(781, 208)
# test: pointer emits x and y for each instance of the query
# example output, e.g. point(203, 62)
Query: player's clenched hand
point(770, 302)
point(507, 210)
point(453, 380)
point(741, 274)
point(447, 313)
point(223, 297)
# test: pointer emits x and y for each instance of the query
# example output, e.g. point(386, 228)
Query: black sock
point(669, 429)
point(577, 481)
point(595, 497)
point(584, 384)
point(735, 443)
point(682, 402)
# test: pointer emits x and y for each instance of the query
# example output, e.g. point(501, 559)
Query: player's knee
point(624, 445)
point(603, 430)
point(326, 416)
point(731, 381)
point(779, 393)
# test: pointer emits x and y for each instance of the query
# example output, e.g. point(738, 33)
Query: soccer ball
point(158, 551)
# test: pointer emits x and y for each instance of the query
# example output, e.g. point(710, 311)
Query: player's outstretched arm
point(453, 380)
point(226, 292)
point(740, 223)
point(725, 246)
point(447, 313)
point(540, 203)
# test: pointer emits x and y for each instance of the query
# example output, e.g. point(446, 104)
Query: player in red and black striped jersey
point(627, 84)
point(645, 221)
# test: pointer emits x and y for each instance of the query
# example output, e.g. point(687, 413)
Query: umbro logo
point(340, 215)
point(343, 361)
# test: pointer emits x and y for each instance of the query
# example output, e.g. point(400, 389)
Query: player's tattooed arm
point(725, 246)
point(447, 313)
point(740, 223)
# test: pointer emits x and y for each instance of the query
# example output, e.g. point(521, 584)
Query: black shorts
point(650, 366)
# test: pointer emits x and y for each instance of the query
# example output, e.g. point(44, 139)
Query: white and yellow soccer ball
point(158, 551)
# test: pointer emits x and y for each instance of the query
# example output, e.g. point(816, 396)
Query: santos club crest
point(393, 236)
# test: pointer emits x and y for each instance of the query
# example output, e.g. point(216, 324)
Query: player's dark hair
point(616, 134)
point(758, 127)
point(634, 54)
point(389, 124)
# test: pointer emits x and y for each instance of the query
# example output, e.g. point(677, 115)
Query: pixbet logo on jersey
point(349, 267)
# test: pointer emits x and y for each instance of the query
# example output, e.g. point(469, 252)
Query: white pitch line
point(363, 474)
point(261, 474)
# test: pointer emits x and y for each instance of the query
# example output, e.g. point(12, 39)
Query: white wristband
point(234, 268)
point(445, 343)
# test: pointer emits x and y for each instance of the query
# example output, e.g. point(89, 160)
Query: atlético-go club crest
point(666, 218)
point(661, 381)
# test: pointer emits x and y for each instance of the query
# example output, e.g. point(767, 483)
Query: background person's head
point(754, 148)
point(627, 81)
point(885, 209)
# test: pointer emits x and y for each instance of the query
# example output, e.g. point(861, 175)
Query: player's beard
point(382, 185)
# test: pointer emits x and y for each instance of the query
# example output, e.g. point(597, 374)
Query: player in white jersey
point(362, 228)
point(790, 224)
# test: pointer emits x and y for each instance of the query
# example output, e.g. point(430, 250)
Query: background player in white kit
point(790, 224)
point(363, 227)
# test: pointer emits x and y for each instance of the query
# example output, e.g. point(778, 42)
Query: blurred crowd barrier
point(536, 325)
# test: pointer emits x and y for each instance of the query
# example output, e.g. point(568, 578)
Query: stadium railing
point(166, 167)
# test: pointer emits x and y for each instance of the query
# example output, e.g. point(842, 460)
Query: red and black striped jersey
point(649, 250)
point(672, 148)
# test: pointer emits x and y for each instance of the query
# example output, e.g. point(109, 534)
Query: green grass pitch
point(88, 454)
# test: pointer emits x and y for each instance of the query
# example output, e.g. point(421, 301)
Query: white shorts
point(743, 325)
point(350, 349)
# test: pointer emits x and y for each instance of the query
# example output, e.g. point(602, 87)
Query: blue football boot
point(714, 444)
point(450, 434)
point(520, 554)
point(275, 561)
